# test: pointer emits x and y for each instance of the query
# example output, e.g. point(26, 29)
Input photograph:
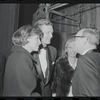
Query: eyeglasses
point(78, 36)
point(74, 37)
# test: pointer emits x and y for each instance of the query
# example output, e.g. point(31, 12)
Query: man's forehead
point(80, 33)
point(47, 27)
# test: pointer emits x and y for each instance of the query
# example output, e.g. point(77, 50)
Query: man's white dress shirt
point(43, 61)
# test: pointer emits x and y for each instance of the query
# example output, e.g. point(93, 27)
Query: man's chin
point(46, 43)
point(49, 42)
point(36, 49)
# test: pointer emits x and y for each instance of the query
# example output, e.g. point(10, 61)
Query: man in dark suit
point(86, 80)
point(45, 58)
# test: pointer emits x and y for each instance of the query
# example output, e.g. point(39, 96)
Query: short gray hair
point(92, 35)
point(20, 36)
point(41, 22)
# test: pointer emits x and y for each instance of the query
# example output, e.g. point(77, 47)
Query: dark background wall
point(13, 16)
point(26, 13)
point(9, 14)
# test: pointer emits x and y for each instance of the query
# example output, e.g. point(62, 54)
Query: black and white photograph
point(50, 49)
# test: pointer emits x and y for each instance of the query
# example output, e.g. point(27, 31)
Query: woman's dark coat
point(20, 78)
point(62, 77)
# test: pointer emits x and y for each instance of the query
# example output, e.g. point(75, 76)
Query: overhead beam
point(57, 5)
point(61, 14)
point(64, 23)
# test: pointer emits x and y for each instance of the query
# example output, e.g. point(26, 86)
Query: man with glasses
point(86, 80)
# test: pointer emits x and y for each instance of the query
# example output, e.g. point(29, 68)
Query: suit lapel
point(49, 65)
point(38, 66)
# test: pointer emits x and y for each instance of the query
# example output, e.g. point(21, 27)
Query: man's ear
point(28, 39)
point(85, 40)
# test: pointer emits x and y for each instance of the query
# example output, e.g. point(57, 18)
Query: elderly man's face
point(78, 42)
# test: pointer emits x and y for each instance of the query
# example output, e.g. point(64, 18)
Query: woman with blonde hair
point(64, 70)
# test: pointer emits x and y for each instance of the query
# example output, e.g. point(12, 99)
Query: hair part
point(42, 22)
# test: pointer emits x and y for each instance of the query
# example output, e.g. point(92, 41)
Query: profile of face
point(69, 48)
point(34, 42)
point(47, 34)
point(78, 43)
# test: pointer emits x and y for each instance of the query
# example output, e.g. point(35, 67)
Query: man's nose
point(51, 35)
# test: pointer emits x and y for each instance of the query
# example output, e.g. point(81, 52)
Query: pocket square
point(53, 63)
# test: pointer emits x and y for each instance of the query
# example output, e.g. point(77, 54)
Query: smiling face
point(34, 42)
point(47, 34)
point(69, 48)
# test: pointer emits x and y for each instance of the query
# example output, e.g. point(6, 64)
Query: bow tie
point(41, 47)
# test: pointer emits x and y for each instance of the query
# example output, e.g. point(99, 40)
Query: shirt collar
point(87, 50)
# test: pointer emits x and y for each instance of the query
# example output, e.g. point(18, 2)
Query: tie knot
point(41, 47)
